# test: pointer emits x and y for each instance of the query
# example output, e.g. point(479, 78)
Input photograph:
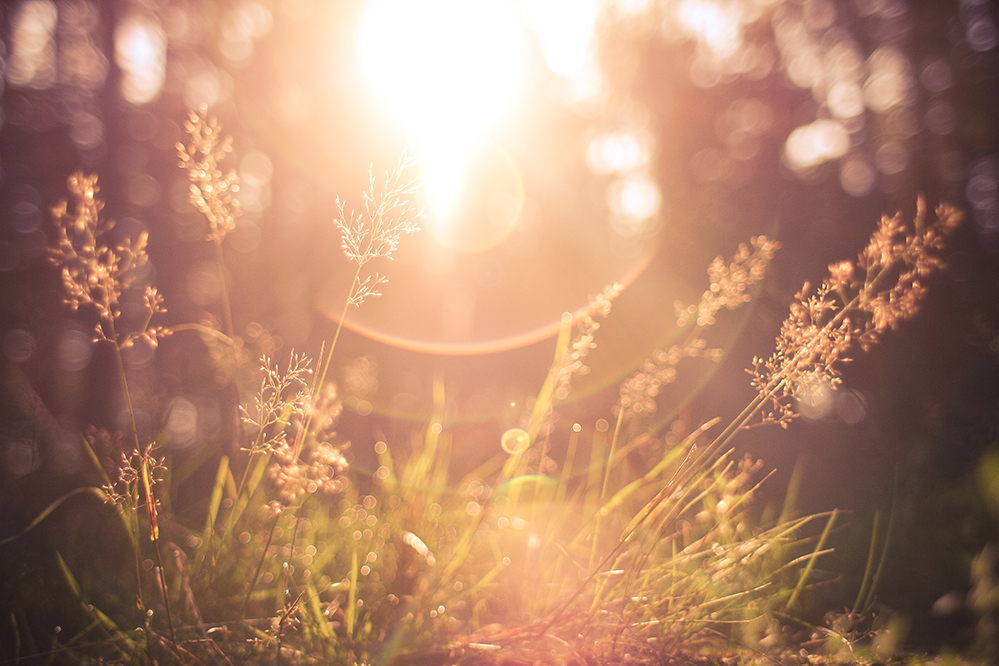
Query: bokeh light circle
point(515, 441)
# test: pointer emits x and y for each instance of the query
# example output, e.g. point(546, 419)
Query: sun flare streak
point(447, 69)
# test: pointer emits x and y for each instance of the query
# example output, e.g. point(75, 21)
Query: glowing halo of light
point(447, 70)
point(331, 308)
point(471, 217)
point(515, 441)
point(443, 66)
point(526, 484)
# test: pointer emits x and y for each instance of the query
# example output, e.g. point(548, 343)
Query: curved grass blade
point(52, 507)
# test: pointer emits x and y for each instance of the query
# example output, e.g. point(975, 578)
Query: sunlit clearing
point(32, 61)
point(447, 69)
point(565, 29)
point(713, 25)
point(818, 142)
point(444, 160)
point(140, 51)
point(443, 61)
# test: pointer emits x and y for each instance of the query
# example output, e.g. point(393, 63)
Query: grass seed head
point(96, 274)
point(729, 285)
point(855, 306)
point(389, 213)
point(211, 189)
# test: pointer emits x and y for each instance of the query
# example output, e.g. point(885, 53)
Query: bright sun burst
point(447, 69)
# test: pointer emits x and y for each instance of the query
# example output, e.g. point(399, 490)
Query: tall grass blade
point(869, 601)
point(207, 546)
point(99, 493)
point(811, 561)
point(543, 402)
point(119, 637)
point(351, 613)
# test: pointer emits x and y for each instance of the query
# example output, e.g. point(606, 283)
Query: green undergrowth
point(290, 556)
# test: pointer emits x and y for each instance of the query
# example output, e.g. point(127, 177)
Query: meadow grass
point(525, 559)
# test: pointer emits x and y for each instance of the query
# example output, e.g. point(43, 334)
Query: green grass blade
point(319, 622)
point(106, 622)
point(544, 400)
point(869, 601)
point(811, 561)
point(351, 614)
point(207, 545)
point(95, 461)
point(258, 465)
point(52, 507)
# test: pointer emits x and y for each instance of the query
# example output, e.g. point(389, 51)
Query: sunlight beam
point(447, 69)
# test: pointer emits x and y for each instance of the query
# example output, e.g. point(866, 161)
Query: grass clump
point(528, 558)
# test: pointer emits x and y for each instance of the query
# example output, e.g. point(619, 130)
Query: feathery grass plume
point(285, 403)
point(859, 302)
point(95, 274)
point(728, 290)
point(124, 491)
point(729, 282)
point(570, 357)
point(293, 479)
point(569, 361)
point(573, 361)
point(211, 190)
point(281, 395)
point(388, 214)
point(854, 306)
point(282, 402)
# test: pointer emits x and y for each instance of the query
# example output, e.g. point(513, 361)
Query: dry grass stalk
point(573, 361)
point(388, 214)
point(281, 396)
point(728, 290)
point(96, 274)
point(284, 401)
point(854, 306)
point(124, 492)
point(211, 190)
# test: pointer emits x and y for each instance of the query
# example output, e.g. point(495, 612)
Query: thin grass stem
point(811, 561)
point(226, 307)
point(135, 435)
point(260, 563)
point(163, 589)
point(869, 601)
